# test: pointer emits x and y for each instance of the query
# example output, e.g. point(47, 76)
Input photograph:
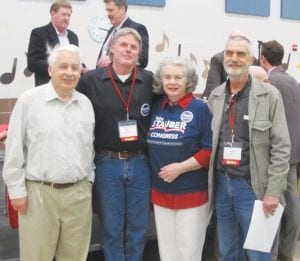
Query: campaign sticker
point(186, 116)
point(145, 109)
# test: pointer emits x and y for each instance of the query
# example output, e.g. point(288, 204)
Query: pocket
point(248, 183)
point(261, 133)
point(84, 189)
point(83, 131)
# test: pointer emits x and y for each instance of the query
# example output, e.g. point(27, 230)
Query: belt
point(54, 185)
point(120, 154)
point(233, 176)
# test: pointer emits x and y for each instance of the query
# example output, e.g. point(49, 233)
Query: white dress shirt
point(62, 37)
point(106, 45)
point(49, 140)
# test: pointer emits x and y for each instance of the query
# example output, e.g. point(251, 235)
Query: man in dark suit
point(44, 38)
point(271, 60)
point(116, 11)
point(216, 75)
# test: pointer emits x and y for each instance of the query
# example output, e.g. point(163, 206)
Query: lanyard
point(117, 88)
point(231, 114)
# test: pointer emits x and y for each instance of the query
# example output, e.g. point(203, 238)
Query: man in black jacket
point(121, 94)
point(44, 38)
point(116, 11)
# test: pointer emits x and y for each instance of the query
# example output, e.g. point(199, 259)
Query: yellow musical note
point(193, 59)
point(161, 46)
point(205, 72)
point(298, 65)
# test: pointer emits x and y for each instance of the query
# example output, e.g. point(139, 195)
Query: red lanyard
point(231, 114)
point(117, 88)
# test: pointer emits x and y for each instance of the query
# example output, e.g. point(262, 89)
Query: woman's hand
point(170, 172)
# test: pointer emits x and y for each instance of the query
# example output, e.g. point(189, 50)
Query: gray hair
point(240, 37)
point(70, 48)
point(125, 31)
point(189, 71)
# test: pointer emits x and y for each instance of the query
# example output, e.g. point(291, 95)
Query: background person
point(179, 142)
point(248, 122)
point(48, 166)
point(121, 94)
point(44, 38)
point(216, 74)
point(272, 53)
point(259, 73)
point(116, 11)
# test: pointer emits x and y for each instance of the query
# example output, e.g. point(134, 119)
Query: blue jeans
point(122, 189)
point(234, 204)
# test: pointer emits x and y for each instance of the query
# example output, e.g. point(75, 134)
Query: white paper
point(262, 229)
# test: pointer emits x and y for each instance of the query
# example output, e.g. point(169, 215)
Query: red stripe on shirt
point(179, 201)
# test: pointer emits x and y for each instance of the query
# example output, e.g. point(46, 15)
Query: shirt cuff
point(203, 157)
point(17, 192)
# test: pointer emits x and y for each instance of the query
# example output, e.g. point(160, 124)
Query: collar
point(64, 34)
point(119, 26)
point(243, 92)
point(51, 94)
point(277, 68)
point(256, 87)
point(271, 69)
point(184, 102)
point(105, 74)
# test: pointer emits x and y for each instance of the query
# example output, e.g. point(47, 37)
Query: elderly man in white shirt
point(48, 166)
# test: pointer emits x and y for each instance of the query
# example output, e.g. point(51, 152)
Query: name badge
point(128, 130)
point(232, 153)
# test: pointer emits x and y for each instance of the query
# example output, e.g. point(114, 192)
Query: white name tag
point(232, 154)
point(128, 130)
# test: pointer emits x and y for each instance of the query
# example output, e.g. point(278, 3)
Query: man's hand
point(84, 70)
point(103, 61)
point(19, 204)
point(3, 135)
point(270, 203)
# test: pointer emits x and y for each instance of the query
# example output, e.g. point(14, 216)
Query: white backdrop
point(200, 26)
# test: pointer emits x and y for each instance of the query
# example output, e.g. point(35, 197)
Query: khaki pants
point(57, 223)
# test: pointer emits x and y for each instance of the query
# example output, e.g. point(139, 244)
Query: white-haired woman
point(179, 141)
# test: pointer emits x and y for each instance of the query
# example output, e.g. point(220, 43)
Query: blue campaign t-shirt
point(176, 133)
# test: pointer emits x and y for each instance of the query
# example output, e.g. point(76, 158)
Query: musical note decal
point(205, 72)
point(26, 71)
point(8, 77)
point(193, 59)
point(179, 50)
point(161, 46)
